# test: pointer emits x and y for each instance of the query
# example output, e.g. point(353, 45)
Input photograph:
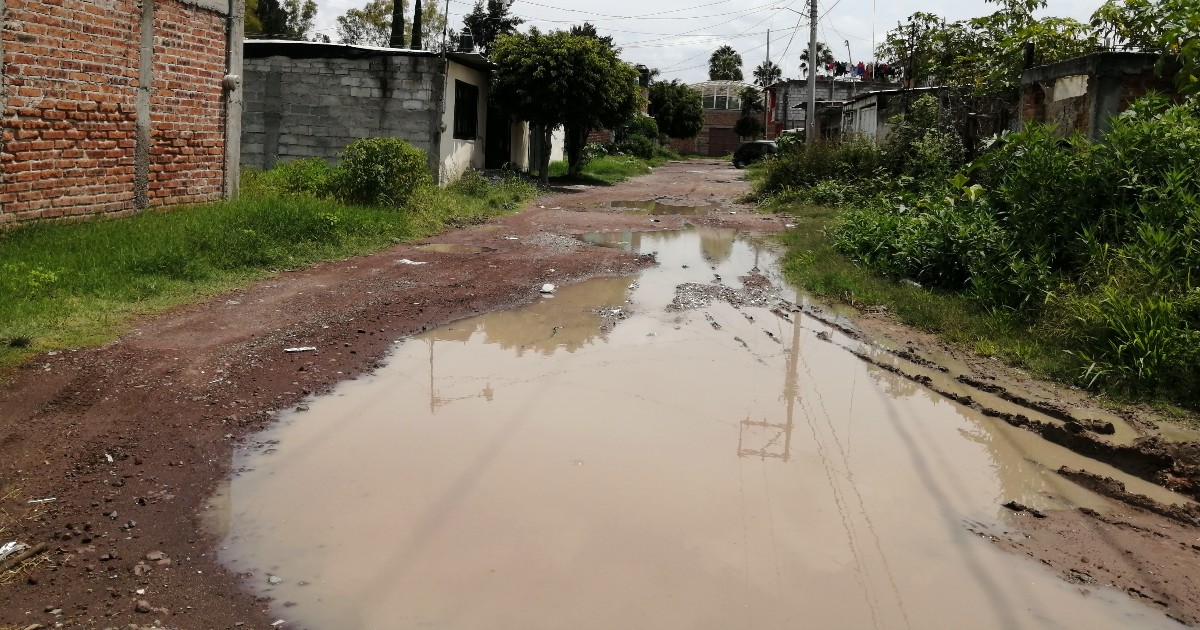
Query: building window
point(466, 110)
point(722, 102)
point(710, 102)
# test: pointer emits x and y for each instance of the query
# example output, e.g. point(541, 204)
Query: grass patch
point(79, 284)
point(606, 170)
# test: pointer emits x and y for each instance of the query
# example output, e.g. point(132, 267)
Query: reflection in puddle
point(595, 461)
point(658, 208)
point(453, 248)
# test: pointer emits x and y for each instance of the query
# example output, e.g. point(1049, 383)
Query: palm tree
point(767, 73)
point(824, 56)
point(725, 64)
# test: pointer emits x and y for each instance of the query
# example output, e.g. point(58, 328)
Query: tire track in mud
point(1152, 459)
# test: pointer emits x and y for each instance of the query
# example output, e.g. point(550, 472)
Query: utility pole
point(810, 117)
point(766, 94)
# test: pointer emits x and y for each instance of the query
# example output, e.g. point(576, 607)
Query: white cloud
point(677, 36)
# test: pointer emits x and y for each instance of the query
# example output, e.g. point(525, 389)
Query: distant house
point(1084, 93)
point(722, 108)
point(307, 99)
point(787, 101)
point(870, 115)
point(114, 106)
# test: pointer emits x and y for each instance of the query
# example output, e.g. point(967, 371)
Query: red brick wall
point(187, 114)
point(69, 121)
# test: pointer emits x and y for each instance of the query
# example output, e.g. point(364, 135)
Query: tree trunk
point(576, 143)
point(544, 167)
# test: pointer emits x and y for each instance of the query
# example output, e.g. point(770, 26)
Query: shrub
point(643, 126)
point(637, 146)
point(310, 176)
point(380, 172)
point(798, 166)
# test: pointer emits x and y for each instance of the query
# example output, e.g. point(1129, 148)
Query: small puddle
point(637, 452)
point(654, 207)
point(453, 248)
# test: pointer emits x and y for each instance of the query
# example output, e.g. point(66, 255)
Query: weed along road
point(609, 410)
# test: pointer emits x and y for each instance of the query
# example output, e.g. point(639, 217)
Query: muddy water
point(595, 460)
point(654, 207)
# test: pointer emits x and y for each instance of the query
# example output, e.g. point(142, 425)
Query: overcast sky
point(677, 36)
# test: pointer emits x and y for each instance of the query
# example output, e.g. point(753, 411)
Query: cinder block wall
point(70, 102)
point(314, 107)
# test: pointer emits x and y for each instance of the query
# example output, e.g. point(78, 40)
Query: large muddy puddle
point(626, 455)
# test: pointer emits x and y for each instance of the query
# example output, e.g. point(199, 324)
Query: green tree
point(824, 56)
point(677, 108)
point(725, 64)
point(291, 20)
point(253, 25)
point(748, 127)
point(272, 18)
point(1172, 26)
point(752, 101)
point(553, 79)
point(766, 73)
point(587, 29)
point(489, 22)
point(372, 24)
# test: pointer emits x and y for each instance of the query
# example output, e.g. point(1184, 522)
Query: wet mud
point(673, 449)
point(655, 207)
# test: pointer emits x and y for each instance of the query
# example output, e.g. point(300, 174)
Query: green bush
point(643, 126)
point(797, 166)
point(380, 172)
point(310, 176)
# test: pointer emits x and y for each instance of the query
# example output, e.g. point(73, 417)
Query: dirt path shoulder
point(120, 446)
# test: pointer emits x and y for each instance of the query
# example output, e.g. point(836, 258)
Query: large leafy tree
point(725, 64)
point(587, 29)
point(983, 56)
point(488, 21)
point(1172, 26)
point(253, 25)
point(291, 19)
point(766, 73)
point(553, 79)
point(372, 24)
point(677, 108)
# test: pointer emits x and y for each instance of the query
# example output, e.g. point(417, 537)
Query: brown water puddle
point(658, 208)
point(595, 460)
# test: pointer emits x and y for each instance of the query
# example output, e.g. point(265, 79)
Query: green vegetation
point(678, 109)
point(606, 170)
point(813, 262)
point(1079, 259)
point(77, 284)
point(576, 81)
point(380, 172)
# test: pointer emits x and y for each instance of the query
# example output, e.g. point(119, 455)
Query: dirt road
point(135, 442)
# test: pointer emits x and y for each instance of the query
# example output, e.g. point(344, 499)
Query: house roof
point(261, 48)
point(920, 90)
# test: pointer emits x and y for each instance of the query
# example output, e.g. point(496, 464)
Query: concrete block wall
point(300, 108)
point(73, 83)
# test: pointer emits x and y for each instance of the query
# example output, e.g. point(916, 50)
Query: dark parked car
point(751, 152)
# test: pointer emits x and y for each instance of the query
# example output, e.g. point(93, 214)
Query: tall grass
point(609, 169)
point(1092, 247)
point(74, 284)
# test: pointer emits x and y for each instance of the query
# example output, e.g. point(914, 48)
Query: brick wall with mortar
point(299, 108)
point(70, 97)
